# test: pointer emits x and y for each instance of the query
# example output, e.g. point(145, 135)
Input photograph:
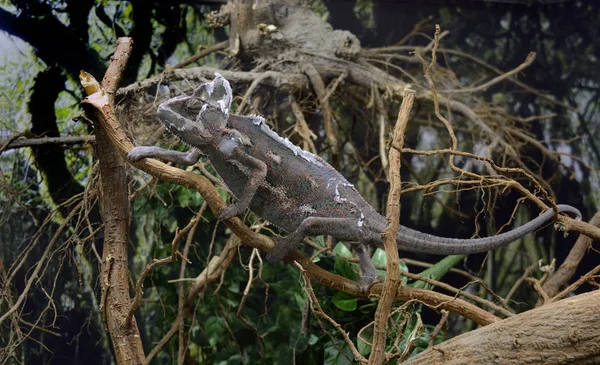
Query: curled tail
point(415, 241)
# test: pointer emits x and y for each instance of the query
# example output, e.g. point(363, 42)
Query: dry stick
point(41, 263)
point(201, 74)
point(412, 337)
point(575, 285)
point(469, 113)
point(163, 341)
point(214, 269)
point(392, 278)
point(334, 85)
point(438, 327)
point(513, 80)
point(203, 53)
point(416, 30)
point(537, 286)
point(314, 302)
point(29, 142)
point(459, 292)
point(259, 80)
point(400, 327)
point(383, 122)
point(566, 271)
point(249, 282)
point(518, 283)
point(10, 345)
point(509, 148)
point(496, 179)
point(436, 104)
point(34, 326)
point(528, 61)
point(181, 285)
point(301, 127)
point(329, 126)
point(22, 258)
point(154, 263)
point(6, 143)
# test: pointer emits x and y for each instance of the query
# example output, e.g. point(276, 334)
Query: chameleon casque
point(293, 189)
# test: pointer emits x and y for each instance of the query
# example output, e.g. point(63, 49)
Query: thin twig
point(389, 235)
point(528, 61)
point(316, 308)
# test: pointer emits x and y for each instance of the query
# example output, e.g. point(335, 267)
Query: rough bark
point(114, 281)
point(566, 271)
point(565, 332)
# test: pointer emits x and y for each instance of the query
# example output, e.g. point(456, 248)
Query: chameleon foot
point(231, 211)
point(282, 248)
point(366, 282)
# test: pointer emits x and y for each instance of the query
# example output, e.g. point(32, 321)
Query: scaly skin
point(291, 188)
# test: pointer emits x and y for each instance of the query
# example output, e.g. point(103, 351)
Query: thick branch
point(565, 332)
point(115, 300)
point(28, 142)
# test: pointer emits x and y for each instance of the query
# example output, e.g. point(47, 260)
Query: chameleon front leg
point(345, 229)
point(183, 158)
point(256, 176)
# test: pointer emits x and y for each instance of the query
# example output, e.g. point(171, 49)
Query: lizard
point(293, 189)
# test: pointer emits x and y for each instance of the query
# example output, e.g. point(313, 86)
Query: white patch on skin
point(210, 87)
point(312, 182)
point(338, 197)
point(305, 208)
point(273, 157)
point(260, 121)
point(361, 220)
point(222, 105)
point(330, 180)
point(240, 136)
point(282, 198)
point(202, 110)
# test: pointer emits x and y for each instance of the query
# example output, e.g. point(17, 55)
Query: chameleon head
point(198, 118)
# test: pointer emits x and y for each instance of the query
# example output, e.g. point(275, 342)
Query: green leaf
point(300, 300)
point(342, 250)
point(319, 240)
point(363, 347)
point(344, 301)
point(214, 328)
point(438, 270)
point(343, 268)
point(183, 197)
point(380, 259)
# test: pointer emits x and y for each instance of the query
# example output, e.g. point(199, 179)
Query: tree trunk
point(565, 332)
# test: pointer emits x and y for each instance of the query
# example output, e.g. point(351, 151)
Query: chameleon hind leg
point(344, 229)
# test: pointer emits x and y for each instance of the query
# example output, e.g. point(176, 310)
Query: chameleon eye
point(193, 105)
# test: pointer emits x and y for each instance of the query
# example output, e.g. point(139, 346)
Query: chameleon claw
point(280, 250)
point(231, 211)
point(366, 282)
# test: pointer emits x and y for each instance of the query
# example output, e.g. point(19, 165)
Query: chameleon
point(293, 189)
